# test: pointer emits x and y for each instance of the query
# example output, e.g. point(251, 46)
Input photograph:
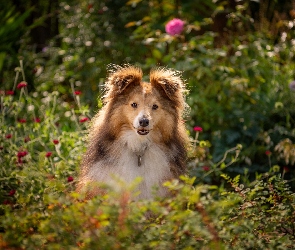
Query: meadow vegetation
point(239, 191)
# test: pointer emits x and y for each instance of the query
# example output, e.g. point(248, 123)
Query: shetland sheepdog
point(139, 132)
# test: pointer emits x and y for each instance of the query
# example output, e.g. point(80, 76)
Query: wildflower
point(37, 120)
point(48, 154)
point(78, 92)
point(21, 85)
point(9, 92)
point(85, 119)
point(198, 129)
point(286, 169)
point(267, 152)
point(22, 120)
point(27, 139)
point(174, 26)
point(70, 179)
point(21, 154)
point(8, 136)
point(206, 168)
point(55, 141)
point(292, 86)
point(12, 192)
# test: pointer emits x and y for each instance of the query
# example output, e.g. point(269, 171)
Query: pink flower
point(206, 168)
point(9, 92)
point(21, 85)
point(55, 141)
point(85, 119)
point(78, 92)
point(22, 120)
point(267, 152)
point(70, 179)
point(8, 136)
point(12, 192)
point(48, 154)
point(174, 26)
point(198, 129)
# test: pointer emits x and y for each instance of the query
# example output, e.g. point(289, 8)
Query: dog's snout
point(144, 122)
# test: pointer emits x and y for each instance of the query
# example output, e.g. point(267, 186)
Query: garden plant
point(239, 191)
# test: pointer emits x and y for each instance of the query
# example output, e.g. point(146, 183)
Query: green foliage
point(241, 160)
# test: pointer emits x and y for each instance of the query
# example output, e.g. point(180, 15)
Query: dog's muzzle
point(143, 123)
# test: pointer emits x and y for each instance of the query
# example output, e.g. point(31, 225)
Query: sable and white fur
point(138, 133)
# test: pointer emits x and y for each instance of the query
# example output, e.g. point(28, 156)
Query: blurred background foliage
point(236, 56)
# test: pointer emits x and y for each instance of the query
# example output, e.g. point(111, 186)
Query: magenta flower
point(198, 129)
point(9, 92)
point(12, 192)
point(21, 85)
point(78, 92)
point(85, 119)
point(21, 154)
point(8, 136)
point(48, 154)
point(70, 179)
point(22, 120)
point(174, 27)
point(55, 141)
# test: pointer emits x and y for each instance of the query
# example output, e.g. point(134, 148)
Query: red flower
point(37, 120)
point(198, 129)
point(9, 92)
point(21, 85)
point(85, 119)
point(27, 139)
point(12, 192)
point(267, 152)
point(70, 179)
point(78, 92)
point(206, 168)
point(22, 120)
point(8, 136)
point(55, 141)
point(48, 154)
point(21, 154)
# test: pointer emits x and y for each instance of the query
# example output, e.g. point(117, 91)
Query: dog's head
point(145, 106)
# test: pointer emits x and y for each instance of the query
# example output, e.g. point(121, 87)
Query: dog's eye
point(134, 105)
point(155, 106)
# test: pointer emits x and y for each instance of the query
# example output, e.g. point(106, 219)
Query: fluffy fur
point(138, 133)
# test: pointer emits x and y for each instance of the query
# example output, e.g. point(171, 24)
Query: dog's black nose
point(144, 122)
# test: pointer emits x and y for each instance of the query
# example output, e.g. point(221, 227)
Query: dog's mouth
point(142, 131)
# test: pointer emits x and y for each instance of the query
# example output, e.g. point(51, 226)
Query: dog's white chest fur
point(129, 150)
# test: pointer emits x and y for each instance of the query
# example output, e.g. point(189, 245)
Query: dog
point(139, 132)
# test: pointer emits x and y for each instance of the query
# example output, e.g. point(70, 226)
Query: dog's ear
point(120, 77)
point(169, 82)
